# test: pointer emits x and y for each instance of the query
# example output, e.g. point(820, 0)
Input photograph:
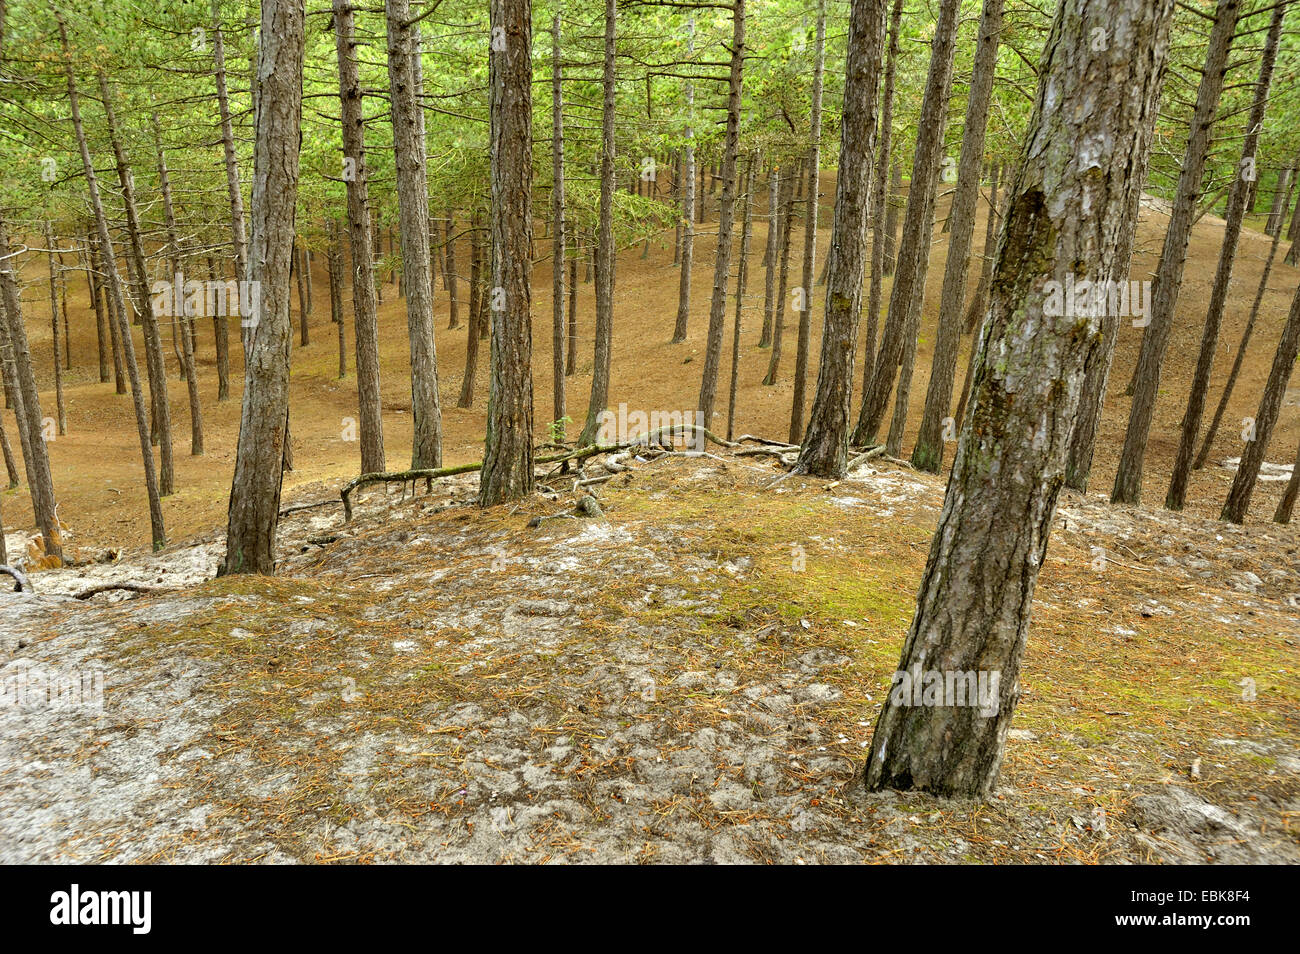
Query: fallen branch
point(109, 587)
point(20, 578)
point(581, 453)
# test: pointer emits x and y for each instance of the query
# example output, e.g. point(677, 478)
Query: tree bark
point(60, 408)
point(559, 406)
point(113, 282)
point(264, 420)
point(238, 233)
point(1065, 212)
point(804, 340)
point(1235, 213)
point(927, 455)
point(688, 202)
point(1270, 406)
point(824, 448)
point(902, 321)
point(1239, 357)
point(605, 243)
point(154, 362)
point(742, 275)
point(508, 456)
point(770, 253)
point(726, 221)
point(371, 425)
point(413, 216)
point(1169, 273)
point(794, 189)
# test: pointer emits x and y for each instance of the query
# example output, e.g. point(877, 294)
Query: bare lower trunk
point(1169, 273)
point(355, 174)
point(742, 275)
point(804, 339)
point(508, 452)
point(113, 283)
point(605, 243)
point(264, 420)
point(726, 222)
point(1234, 215)
point(824, 448)
point(688, 208)
point(968, 635)
point(559, 410)
point(928, 453)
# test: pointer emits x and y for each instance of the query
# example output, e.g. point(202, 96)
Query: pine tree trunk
point(891, 217)
point(605, 242)
point(113, 283)
point(233, 190)
point(774, 183)
point(1239, 357)
point(300, 279)
point(804, 340)
point(476, 309)
point(154, 363)
point(508, 455)
point(355, 174)
point(688, 205)
point(264, 419)
point(1237, 505)
point(881, 234)
point(334, 267)
point(571, 352)
point(1065, 213)
point(726, 222)
point(742, 276)
point(928, 453)
point(186, 343)
point(1191, 425)
point(559, 408)
point(453, 293)
point(413, 221)
point(221, 341)
point(794, 189)
point(102, 346)
point(59, 406)
point(824, 448)
point(903, 318)
point(1169, 273)
point(11, 465)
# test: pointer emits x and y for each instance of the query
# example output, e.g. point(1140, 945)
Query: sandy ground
point(96, 466)
point(691, 677)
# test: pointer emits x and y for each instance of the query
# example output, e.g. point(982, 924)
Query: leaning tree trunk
point(1287, 504)
point(726, 222)
point(11, 465)
point(879, 198)
point(1234, 215)
point(804, 339)
point(508, 454)
point(1270, 405)
point(928, 453)
point(1239, 357)
point(264, 420)
point(153, 350)
point(1066, 210)
point(605, 243)
point(371, 425)
point(413, 215)
point(238, 233)
point(113, 282)
point(824, 448)
point(559, 409)
point(908, 291)
point(1169, 273)
point(688, 204)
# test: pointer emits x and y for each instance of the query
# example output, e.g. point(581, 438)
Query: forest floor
point(693, 676)
point(96, 466)
point(434, 682)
